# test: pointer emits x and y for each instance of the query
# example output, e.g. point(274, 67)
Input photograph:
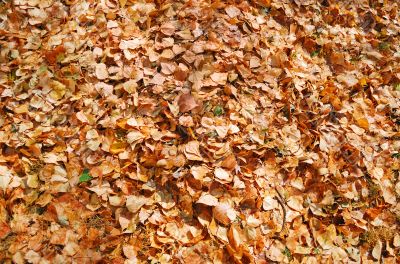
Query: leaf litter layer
point(199, 131)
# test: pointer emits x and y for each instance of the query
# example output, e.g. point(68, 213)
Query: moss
point(369, 238)
point(287, 253)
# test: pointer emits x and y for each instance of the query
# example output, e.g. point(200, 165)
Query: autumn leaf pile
point(199, 131)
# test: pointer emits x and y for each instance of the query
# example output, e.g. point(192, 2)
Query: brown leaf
point(52, 55)
point(219, 77)
point(186, 103)
point(5, 230)
point(168, 29)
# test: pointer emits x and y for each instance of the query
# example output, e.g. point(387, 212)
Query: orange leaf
point(363, 123)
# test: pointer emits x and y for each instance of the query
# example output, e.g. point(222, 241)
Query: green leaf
point(315, 53)
point(218, 110)
point(384, 45)
point(60, 57)
point(42, 69)
point(85, 176)
point(397, 87)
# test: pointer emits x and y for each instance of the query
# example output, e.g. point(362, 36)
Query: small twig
point(280, 201)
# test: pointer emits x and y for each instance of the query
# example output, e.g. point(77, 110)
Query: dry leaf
point(134, 203)
point(327, 237)
point(229, 162)
point(377, 250)
point(134, 136)
point(167, 29)
point(186, 103)
point(101, 71)
point(199, 172)
point(208, 199)
point(185, 117)
point(222, 174)
point(219, 77)
point(192, 151)
point(224, 213)
point(232, 11)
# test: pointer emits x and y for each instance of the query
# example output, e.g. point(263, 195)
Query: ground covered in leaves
point(199, 131)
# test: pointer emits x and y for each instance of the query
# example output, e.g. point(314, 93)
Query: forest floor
point(199, 131)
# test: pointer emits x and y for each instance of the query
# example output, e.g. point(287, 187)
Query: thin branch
point(280, 201)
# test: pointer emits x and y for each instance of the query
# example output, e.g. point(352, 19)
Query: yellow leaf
point(118, 147)
point(326, 238)
point(122, 123)
point(122, 2)
point(22, 109)
point(363, 82)
point(58, 90)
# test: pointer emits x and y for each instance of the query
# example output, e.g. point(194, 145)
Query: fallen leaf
point(5, 230)
point(232, 11)
point(222, 174)
point(134, 136)
point(224, 213)
point(377, 250)
point(229, 162)
point(134, 203)
point(168, 29)
point(219, 77)
point(101, 71)
point(192, 151)
point(85, 176)
point(208, 199)
point(186, 103)
point(327, 237)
